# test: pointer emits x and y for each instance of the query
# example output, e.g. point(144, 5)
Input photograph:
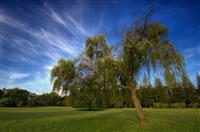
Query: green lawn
point(68, 119)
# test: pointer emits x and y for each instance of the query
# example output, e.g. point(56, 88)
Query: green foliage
point(193, 105)
point(86, 101)
point(178, 95)
point(198, 85)
point(160, 95)
point(20, 98)
point(97, 79)
point(190, 95)
point(1, 93)
point(160, 105)
point(8, 102)
point(178, 105)
point(90, 97)
point(96, 48)
point(16, 97)
point(47, 99)
point(62, 75)
point(147, 48)
point(146, 98)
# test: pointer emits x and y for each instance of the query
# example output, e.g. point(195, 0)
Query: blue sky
point(35, 34)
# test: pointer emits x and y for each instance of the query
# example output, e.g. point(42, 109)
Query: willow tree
point(100, 55)
point(146, 48)
point(93, 70)
point(63, 75)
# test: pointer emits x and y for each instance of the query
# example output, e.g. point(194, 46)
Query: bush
point(85, 101)
point(160, 105)
point(8, 102)
point(178, 105)
point(17, 97)
point(193, 105)
point(145, 95)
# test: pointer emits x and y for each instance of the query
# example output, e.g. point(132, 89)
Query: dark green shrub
point(193, 105)
point(160, 105)
point(178, 105)
point(85, 101)
point(8, 102)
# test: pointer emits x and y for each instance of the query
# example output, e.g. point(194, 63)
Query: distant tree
point(8, 102)
point(146, 99)
point(159, 92)
point(35, 100)
point(46, 99)
point(190, 91)
point(145, 93)
point(198, 84)
point(158, 83)
point(18, 97)
point(198, 88)
point(1, 93)
point(178, 95)
point(190, 96)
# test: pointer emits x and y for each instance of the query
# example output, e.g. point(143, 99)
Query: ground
point(64, 119)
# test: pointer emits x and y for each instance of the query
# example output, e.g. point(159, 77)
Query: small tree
point(146, 48)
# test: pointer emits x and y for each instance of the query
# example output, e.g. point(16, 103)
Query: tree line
point(157, 96)
point(17, 97)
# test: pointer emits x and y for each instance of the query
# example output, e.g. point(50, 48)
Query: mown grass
point(67, 119)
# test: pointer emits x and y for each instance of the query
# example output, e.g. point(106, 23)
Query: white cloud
point(39, 82)
point(8, 77)
point(15, 76)
point(49, 67)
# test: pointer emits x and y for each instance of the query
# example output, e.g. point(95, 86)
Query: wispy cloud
point(191, 52)
point(40, 42)
point(67, 45)
point(56, 17)
point(11, 77)
point(10, 21)
point(59, 42)
point(77, 25)
point(15, 76)
point(71, 24)
point(39, 83)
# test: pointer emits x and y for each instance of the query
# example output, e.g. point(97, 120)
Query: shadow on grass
point(94, 109)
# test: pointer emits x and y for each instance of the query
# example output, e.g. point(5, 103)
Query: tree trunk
point(138, 106)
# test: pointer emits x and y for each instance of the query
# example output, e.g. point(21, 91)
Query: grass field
point(65, 119)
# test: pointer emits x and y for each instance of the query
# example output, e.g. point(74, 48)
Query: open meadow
point(68, 119)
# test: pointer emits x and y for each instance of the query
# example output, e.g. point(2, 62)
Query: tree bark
point(138, 106)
